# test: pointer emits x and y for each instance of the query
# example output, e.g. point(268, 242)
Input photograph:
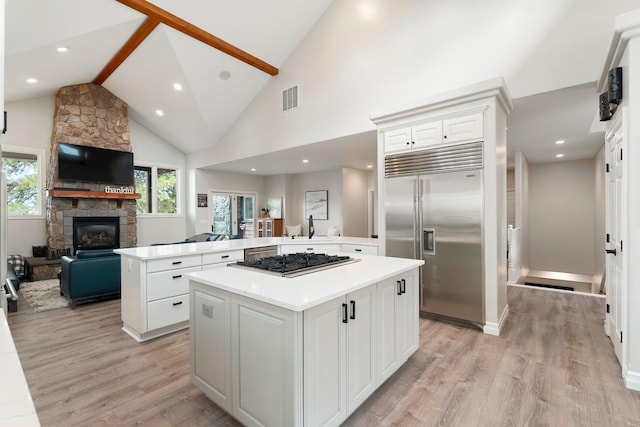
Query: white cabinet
point(340, 342)
point(312, 246)
point(465, 128)
point(155, 292)
point(221, 259)
point(418, 136)
point(265, 227)
point(397, 318)
point(243, 356)
point(359, 249)
point(432, 132)
point(211, 345)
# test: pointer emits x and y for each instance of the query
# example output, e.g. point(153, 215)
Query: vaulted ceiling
point(223, 52)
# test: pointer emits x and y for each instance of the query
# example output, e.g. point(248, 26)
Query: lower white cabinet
point(155, 292)
point(360, 249)
point(267, 365)
point(340, 349)
point(246, 357)
point(398, 317)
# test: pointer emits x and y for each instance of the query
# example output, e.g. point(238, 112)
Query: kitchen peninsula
point(305, 350)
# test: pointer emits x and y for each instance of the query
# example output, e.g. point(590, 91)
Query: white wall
point(561, 217)
point(151, 150)
point(522, 209)
point(30, 124)
point(208, 180)
point(355, 195)
point(350, 64)
point(599, 240)
point(327, 180)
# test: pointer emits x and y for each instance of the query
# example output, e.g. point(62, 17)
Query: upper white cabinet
point(432, 132)
point(409, 138)
point(465, 128)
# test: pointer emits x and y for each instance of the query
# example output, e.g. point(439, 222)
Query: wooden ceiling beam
point(127, 49)
point(179, 24)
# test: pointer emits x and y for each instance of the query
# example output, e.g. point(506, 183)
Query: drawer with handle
point(222, 257)
point(360, 249)
point(167, 312)
point(173, 263)
point(165, 284)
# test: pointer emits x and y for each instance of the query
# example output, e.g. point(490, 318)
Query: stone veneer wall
point(90, 115)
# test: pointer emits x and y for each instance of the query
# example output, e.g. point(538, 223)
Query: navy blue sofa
point(90, 274)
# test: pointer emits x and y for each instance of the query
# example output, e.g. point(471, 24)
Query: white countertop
point(302, 292)
point(167, 251)
point(16, 406)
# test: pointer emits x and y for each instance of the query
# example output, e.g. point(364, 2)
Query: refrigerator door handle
point(429, 241)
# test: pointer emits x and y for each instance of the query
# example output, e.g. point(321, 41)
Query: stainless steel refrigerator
point(433, 209)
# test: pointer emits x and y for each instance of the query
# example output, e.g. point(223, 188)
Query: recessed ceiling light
point(177, 86)
point(305, 161)
point(224, 75)
point(32, 80)
point(253, 169)
point(560, 141)
point(62, 49)
point(559, 156)
point(366, 9)
point(369, 166)
point(160, 113)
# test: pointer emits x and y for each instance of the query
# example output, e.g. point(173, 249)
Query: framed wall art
point(316, 203)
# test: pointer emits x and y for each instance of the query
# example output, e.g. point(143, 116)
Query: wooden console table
point(75, 195)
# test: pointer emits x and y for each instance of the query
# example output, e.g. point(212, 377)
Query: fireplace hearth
point(96, 233)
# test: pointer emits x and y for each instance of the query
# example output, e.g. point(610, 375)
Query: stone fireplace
point(90, 115)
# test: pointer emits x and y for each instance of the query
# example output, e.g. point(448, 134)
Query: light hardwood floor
point(552, 366)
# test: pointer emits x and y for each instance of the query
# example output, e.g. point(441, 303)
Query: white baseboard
point(492, 328)
point(632, 380)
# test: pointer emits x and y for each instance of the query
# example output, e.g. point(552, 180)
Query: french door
point(233, 214)
point(616, 209)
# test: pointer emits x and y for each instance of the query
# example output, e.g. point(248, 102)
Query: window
point(158, 188)
point(23, 172)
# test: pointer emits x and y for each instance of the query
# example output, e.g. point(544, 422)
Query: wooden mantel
point(76, 194)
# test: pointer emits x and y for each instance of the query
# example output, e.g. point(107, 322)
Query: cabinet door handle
point(224, 256)
point(611, 251)
point(176, 262)
point(310, 249)
point(358, 250)
point(345, 315)
point(353, 310)
point(399, 287)
point(177, 276)
point(177, 303)
point(404, 286)
point(445, 137)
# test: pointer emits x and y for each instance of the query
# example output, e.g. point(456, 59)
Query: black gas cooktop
point(292, 265)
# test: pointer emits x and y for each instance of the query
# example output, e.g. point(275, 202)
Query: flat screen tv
point(97, 165)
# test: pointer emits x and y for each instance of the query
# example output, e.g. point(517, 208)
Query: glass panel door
point(232, 214)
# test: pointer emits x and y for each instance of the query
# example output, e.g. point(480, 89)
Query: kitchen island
point(154, 288)
point(305, 350)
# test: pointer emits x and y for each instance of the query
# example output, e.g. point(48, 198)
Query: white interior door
point(615, 220)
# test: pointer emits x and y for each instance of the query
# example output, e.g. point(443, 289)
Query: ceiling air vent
point(290, 98)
